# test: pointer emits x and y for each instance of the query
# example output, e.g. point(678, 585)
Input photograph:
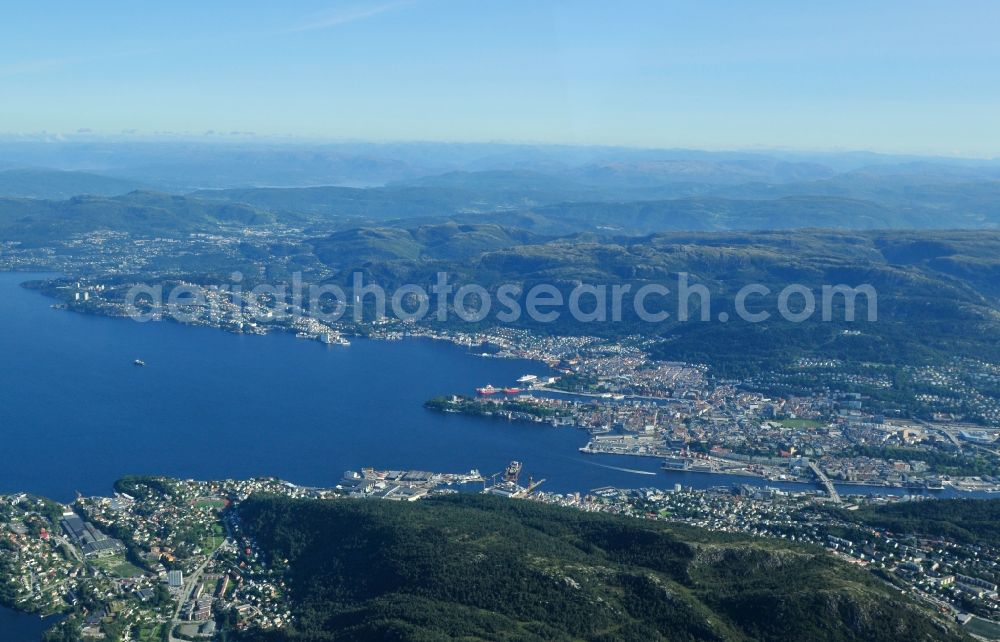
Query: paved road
point(188, 590)
point(830, 488)
point(72, 549)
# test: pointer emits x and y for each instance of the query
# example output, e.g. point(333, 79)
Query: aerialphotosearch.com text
point(681, 299)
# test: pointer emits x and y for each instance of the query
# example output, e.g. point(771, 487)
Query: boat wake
point(624, 470)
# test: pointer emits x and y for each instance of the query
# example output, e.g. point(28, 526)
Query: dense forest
point(482, 568)
point(926, 285)
point(964, 520)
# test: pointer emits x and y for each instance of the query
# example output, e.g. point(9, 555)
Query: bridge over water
point(831, 490)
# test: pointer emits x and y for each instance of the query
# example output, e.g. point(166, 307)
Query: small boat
point(139, 362)
point(487, 390)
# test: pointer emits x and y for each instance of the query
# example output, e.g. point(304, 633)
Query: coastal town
point(834, 423)
point(630, 404)
point(410, 321)
point(166, 561)
point(170, 559)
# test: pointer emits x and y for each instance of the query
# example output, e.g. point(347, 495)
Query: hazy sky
point(886, 75)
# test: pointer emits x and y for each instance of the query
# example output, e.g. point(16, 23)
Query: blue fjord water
point(76, 413)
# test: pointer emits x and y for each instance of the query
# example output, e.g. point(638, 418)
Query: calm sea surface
point(76, 414)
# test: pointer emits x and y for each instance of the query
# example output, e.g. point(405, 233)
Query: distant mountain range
point(513, 201)
point(58, 184)
point(187, 166)
point(549, 190)
point(923, 232)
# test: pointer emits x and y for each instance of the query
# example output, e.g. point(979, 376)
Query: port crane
point(532, 485)
point(509, 481)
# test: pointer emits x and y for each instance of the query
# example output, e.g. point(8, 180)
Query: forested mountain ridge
point(926, 284)
point(481, 568)
point(139, 213)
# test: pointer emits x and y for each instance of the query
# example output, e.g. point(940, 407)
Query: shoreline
point(458, 341)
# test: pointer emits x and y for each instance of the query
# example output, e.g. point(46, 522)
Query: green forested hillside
point(481, 568)
point(927, 284)
point(445, 241)
point(143, 214)
point(965, 520)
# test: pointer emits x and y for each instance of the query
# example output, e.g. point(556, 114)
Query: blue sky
point(889, 75)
